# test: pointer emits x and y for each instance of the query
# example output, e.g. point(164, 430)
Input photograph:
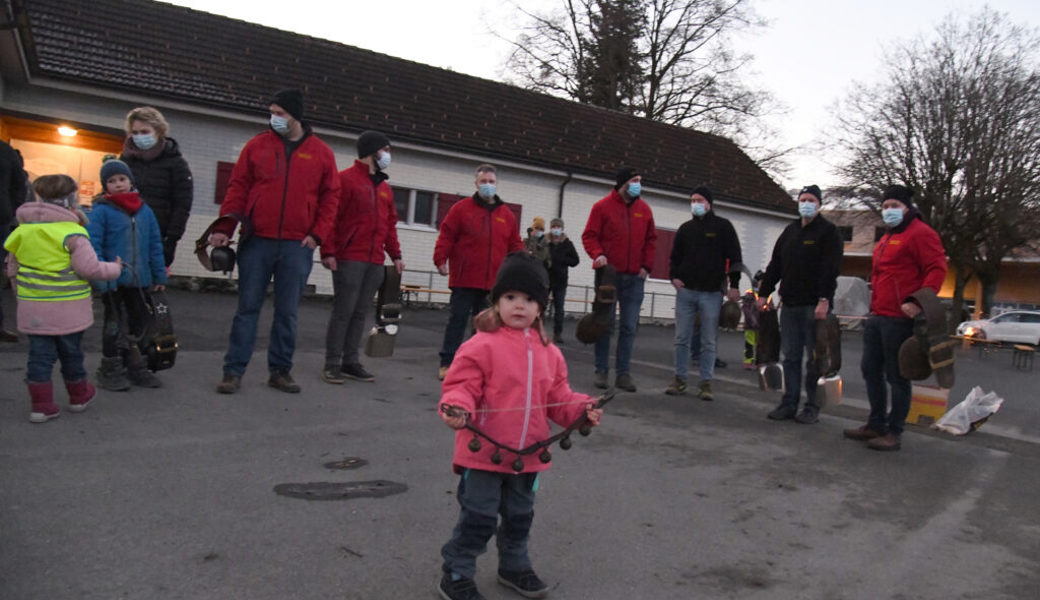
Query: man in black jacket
point(12, 194)
point(702, 248)
point(564, 256)
point(806, 261)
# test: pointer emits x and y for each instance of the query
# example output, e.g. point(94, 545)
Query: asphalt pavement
point(171, 493)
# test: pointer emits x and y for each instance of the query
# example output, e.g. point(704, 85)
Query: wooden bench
point(985, 347)
point(1022, 357)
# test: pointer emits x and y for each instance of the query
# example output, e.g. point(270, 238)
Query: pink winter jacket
point(511, 385)
point(65, 316)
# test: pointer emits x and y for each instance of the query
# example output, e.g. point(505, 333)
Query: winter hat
point(370, 142)
point(704, 191)
point(899, 192)
point(538, 223)
point(814, 190)
point(557, 222)
point(522, 272)
point(291, 100)
point(114, 166)
point(623, 175)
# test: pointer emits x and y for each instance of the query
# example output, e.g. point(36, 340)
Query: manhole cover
point(325, 490)
point(350, 462)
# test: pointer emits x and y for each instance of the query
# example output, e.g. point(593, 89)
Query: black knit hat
point(523, 273)
point(623, 175)
point(114, 166)
point(291, 100)
point(704, 191)
point(899, 192)
point(813, 190)
point(370, 142)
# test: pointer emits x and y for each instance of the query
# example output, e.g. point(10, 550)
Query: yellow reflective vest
point(44, 263)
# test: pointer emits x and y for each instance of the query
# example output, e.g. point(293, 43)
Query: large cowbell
point(381, 339)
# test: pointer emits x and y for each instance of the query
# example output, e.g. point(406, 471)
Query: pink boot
point(80, 394)
point(43, 407)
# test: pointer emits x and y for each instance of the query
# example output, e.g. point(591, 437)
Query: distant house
point(84, 65)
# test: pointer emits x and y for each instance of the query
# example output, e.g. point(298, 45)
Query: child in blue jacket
point(122, 225)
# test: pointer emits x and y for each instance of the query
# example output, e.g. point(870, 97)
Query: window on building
point(415, 207)
point(846, 232)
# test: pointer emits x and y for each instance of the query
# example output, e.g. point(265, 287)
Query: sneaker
point(283, 382)
point(356, 371)
point(463, 588)
point(526, 583)
point(862, 434)
point(441, 373)
point(624, 382)
point(808, 416)
point(720, 364)
point(143, 378)
point(600, 380)
point(678, 387)
point(887, 443)
point(704, 391)
point(333, 375)
point(229, 385)
point(783, 412)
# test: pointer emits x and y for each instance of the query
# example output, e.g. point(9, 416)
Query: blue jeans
point(798, 333)
point(464, 304)
point(630, 300)
point(258, 260)
point(688, 303)
point(882, 337)
point(45, 350)
point(354, 284)
point(483, 496)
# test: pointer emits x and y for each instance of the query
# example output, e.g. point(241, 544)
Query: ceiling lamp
point(67, 131)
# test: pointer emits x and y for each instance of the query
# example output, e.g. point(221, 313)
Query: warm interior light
point(67, 131)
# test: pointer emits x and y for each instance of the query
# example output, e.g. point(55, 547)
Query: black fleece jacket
point(806, 261)
point(701, 248)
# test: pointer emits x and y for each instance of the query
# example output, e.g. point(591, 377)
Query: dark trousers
point(465, 303)
point(798, 338)
point(45, 350)
point(882, 337)
point(126, 316)
point(354, 283)
point(484, 496)
point(559, 299)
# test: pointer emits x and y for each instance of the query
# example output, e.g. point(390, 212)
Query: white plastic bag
point(970, 413)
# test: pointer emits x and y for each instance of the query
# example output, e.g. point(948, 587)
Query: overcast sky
point(809, 55)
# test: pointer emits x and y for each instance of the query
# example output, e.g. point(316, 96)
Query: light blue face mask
point(280, 124)
point(538, 233)
point(144, 141)
point(556, 231)
point(892, 217)
point(698, 209)
point(807, 210)
point(634, 189)
point(383, 161)
point(487, 190)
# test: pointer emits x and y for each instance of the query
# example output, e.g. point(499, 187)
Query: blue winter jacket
point(134, 238)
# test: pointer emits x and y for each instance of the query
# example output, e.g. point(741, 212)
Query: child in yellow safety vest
point(50, 261)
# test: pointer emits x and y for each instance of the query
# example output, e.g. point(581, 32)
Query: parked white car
point(1013, 327)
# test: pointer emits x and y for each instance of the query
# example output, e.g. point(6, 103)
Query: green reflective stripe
point(29, 285)
point(67, 275)
point(52, 297)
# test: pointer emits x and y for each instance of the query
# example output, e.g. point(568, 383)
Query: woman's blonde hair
point(61, 190)
point(149, 115)
point(489, 320)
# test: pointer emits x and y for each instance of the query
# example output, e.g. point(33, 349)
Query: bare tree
point(958, 119)
point(666, 60)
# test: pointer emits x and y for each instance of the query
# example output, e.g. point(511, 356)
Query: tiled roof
point(203, 59)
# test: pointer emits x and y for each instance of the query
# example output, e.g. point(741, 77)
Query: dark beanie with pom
point(292, 101)
point(522, 272)
point(899, 192)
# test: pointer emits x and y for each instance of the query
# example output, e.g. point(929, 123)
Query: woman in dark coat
point(161, 174)
point(564, 256)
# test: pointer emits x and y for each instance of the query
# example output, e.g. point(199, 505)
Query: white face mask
point(144, 141)
point(892, 216)
point(280, 124)
point(556, 231)
point(698, 209)
point(383, 161)
point(807, 210)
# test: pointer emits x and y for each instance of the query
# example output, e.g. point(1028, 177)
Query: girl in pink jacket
point(509, 382)
point(51, 260)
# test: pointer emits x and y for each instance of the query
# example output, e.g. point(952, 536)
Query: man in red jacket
point(620, 232)
point(907, 258)
point(475, 237)
point(365, 231)
point(286, 185)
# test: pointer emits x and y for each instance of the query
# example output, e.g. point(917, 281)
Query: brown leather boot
point(861, 434)
point(885, 443)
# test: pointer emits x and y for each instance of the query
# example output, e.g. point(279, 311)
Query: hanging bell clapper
point(566, 443)
point(474, 444)
point(518, 465)
point(544, 456)
point(496, 458)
